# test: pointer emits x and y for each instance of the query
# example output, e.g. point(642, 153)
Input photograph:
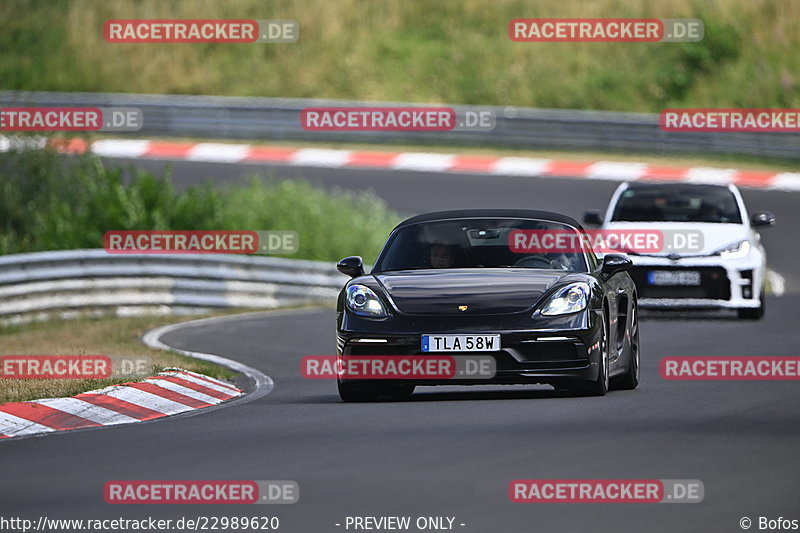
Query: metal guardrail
point(279, 119)
point(94, 280)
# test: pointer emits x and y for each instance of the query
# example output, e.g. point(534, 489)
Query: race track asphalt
point(453, 452)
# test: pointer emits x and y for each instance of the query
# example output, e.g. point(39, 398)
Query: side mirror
point(352, 266)
point(593, 218)
point(762, 219)
point(613, 263)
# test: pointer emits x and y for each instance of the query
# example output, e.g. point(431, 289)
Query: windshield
point(665, 204)
point(473, 243)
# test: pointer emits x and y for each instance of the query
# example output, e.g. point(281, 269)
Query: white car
point(711, 255)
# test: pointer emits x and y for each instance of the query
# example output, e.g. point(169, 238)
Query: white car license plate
point(689, 278)
point(460, 343)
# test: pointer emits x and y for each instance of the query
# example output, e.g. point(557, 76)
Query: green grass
point(416, 50)
point(48, 202)
point(89, 336)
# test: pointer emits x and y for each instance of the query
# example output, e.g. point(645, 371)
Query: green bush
point(50, 202)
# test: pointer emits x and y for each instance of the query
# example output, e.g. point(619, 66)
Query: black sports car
point(450, 283)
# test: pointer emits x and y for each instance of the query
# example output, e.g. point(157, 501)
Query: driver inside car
point(560, 261)
point(442, 256)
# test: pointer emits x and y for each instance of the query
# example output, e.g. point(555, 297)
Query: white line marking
point(22, 143)
point(14, 426)
point(95, 413)
point(186, 391)
point(786, 181)
point(203, 378)
point(120, 148)
point(609, 170)
point(217, 152)
point(424, 162)
point(201, 382)
point(263, 383)
point(520, 166)
point(711, 176)
point(146, 399)
point(319, 157)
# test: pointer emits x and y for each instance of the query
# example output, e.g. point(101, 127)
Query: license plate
point(460, 343)
point(674, 277)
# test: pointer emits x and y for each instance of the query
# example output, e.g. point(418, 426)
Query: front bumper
point(562, 349)
point(735, 284)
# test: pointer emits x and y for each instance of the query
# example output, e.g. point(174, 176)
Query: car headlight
point(570, 299)
point(736, 250)
point(363, 301)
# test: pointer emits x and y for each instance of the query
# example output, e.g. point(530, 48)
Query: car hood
point(714, 236)
point(483, 290)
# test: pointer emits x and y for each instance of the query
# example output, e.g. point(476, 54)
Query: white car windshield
point(677, 204)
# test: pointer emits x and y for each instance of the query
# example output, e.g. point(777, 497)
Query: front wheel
point(600, 386)
point(630, 379)
point(756, 313)
point(354, 392)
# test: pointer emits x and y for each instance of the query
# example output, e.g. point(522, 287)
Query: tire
point(756, 313)
point(350, 392)
point(401, 392)
point(630, 379)
point(600, 386)
point(367, 392)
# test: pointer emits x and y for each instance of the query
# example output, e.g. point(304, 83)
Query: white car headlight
point(736, 250)
point(570, 299)
point(363, 301)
